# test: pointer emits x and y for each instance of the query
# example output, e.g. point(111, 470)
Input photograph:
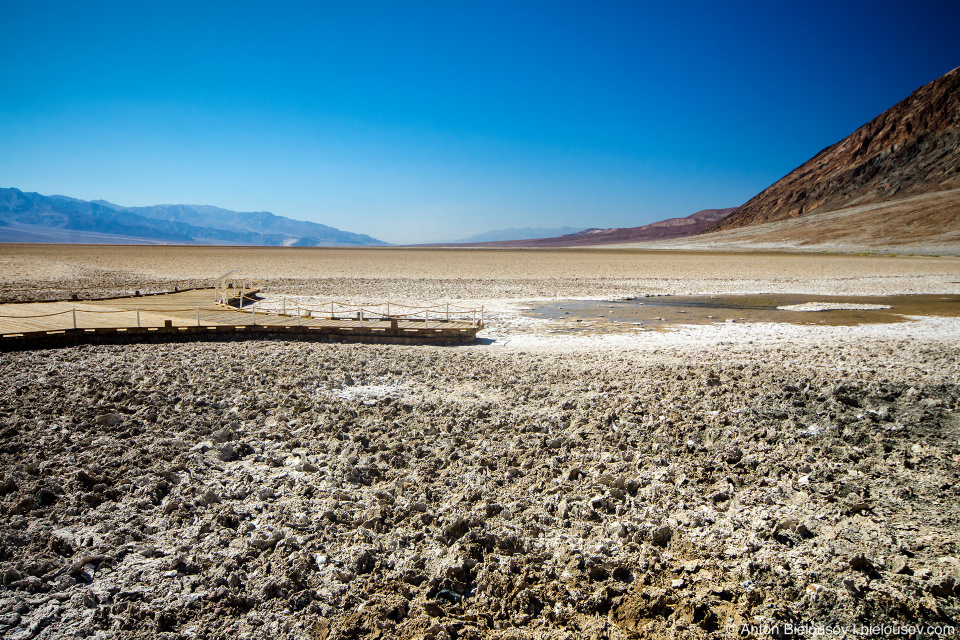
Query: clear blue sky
point(418, 121)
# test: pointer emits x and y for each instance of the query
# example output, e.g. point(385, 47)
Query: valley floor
point(537, 484)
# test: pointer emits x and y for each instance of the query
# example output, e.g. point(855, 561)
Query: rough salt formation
point(288, 490)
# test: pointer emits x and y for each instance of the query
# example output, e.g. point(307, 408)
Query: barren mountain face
point(909, 149)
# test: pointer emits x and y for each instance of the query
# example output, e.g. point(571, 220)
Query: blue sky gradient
point(425, 121)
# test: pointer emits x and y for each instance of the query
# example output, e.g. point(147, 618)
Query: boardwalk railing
point(227, 291)
point(87, 318)
point(334, 310)
point(192, 315)
point(74, 317)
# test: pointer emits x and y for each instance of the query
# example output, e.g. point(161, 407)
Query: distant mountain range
point(31, 217)
point(669, 229)
point(526, 233)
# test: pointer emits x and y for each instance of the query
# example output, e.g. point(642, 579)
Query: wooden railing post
point(74, 317)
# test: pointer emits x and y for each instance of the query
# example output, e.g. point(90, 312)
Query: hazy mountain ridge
point(28, 209)
point(661, 230)
point(34, 216)
point(910, 149)
point(514, 233)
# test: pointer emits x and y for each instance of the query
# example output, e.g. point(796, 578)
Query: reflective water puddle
point(662, 311)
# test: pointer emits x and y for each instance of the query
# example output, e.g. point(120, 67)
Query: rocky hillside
point(912, 148)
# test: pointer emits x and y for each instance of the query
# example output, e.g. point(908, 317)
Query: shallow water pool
point(662, 311)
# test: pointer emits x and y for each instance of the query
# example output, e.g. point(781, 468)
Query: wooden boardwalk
point(193, 315)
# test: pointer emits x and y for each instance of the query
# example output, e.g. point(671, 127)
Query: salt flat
point(539, 483)
point(458, 274)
